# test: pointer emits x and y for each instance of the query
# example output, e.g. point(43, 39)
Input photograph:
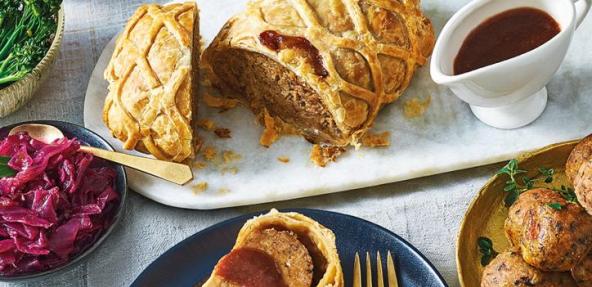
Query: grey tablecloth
point(427, 212)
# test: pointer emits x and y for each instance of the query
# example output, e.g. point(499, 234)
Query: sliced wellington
point(280, 250)
point(321, 67)
point(152, 79)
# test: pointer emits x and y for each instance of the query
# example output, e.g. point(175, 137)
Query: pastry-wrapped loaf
point(323, 67)
point(301, 253)
point(152, 77)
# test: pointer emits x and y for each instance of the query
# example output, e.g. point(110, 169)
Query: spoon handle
point(173, 172)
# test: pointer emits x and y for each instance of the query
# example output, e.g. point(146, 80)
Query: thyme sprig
point(555, 205)
point(517, 184)
point(486, 248)
point(567, 193)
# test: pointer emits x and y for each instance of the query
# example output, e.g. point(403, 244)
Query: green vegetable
point(5, 170)
point(548, 173)
point(555, 205)
point(568, 193)
point(486, 248)
point(27, 28)
point(514, 188)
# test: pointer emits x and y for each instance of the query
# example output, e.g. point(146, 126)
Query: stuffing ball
point(583, 186)
point(509, 270)
point(580, 154)
point(582, 272)
point(551, 233)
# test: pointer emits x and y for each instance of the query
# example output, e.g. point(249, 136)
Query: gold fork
point(390, 269)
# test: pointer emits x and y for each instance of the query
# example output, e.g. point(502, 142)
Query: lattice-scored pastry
point(323, 67)
point(152, 78)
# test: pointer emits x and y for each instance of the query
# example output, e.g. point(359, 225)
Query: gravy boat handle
point(582, 8)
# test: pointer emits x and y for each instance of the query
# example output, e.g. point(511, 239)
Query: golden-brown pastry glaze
point(152, 78)
point(549, 239)
point(368, 50)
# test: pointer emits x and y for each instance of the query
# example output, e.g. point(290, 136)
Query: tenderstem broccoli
point(27, 28)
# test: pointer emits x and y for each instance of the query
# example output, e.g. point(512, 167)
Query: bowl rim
point(41, 68)
point(80, 258)
point(484, 189)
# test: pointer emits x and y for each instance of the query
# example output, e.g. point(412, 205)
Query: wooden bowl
point(487, 213)
point(18, 93)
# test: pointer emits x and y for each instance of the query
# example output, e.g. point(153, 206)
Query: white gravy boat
point(512, 93)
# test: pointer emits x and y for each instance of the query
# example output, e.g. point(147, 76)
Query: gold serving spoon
point(173, 172)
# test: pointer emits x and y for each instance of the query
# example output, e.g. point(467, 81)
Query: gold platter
point(487, 213)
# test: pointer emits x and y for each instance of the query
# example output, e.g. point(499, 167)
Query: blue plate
point(92, 139)
point(190, 262)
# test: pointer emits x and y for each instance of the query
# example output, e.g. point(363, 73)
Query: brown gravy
point(276, 42)
point(504, 36)
point(250, 267)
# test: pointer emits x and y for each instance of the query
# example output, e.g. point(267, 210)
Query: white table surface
point(426, 211)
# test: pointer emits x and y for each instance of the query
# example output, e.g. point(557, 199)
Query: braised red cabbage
point(58, 204)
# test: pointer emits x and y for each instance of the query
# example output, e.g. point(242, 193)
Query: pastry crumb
point(209, 153)
point(415, 107)
point(376, 140)
point(230, 156)
point(232, 170)
point(200, 187)
point(218, 102)
point(209, 125)
point(283, 159)
point(220, 160)
point(270, 134)
point(322, 155)
point(199, 164)
point(206, 124)
point(222, 133)
point(223, 190)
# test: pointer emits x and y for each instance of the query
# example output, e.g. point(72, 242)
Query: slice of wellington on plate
point(280, 249)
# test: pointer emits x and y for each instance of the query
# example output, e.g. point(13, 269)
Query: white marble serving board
point(448, 137)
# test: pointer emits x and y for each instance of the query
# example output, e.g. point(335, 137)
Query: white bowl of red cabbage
point(57, 204)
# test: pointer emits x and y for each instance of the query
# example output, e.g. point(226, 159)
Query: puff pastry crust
point(369, 50)
point(152, 77)
point(320, 243)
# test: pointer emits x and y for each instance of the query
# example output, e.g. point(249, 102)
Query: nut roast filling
point(267, 85)
point(274, 256)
